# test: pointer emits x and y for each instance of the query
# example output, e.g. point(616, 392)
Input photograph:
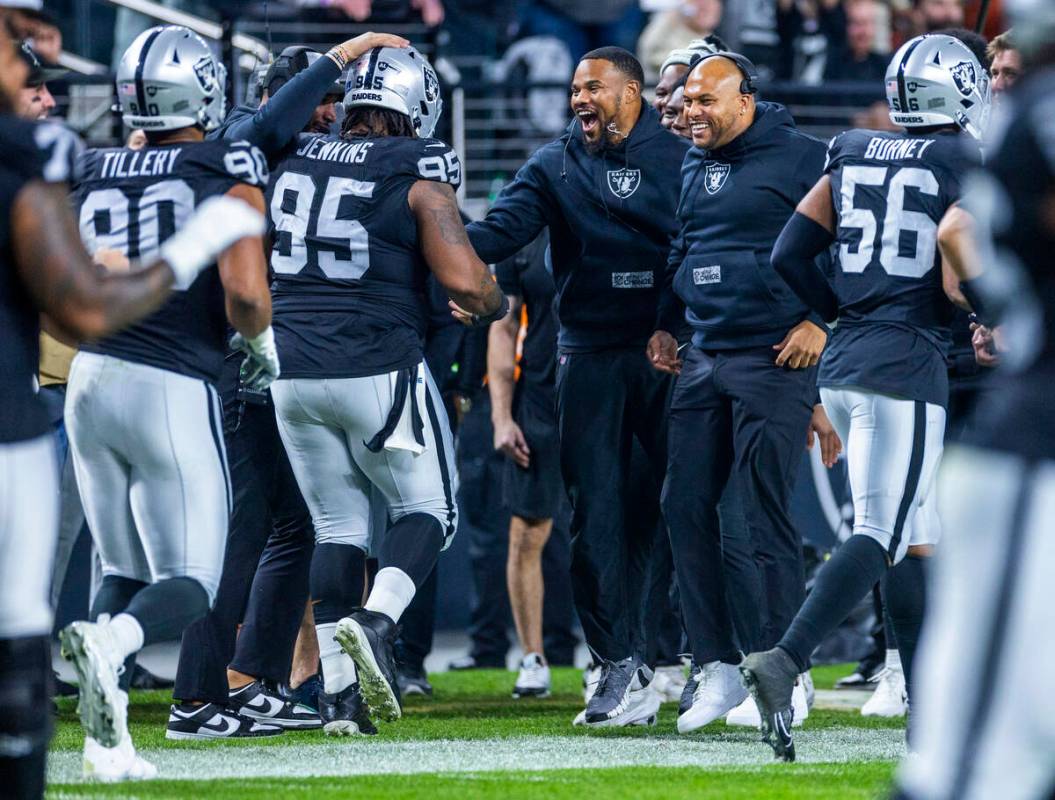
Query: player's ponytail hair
point(373, 121)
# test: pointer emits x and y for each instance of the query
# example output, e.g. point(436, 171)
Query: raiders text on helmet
point(400, 79)
point(168, 78)
point(936, 80)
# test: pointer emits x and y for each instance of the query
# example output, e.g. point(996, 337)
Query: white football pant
point(984, 716)
point(147, 446)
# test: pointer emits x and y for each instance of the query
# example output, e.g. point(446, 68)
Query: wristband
point(503, 309)
point(337, 56)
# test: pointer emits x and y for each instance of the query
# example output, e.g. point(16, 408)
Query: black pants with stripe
point(264, 583)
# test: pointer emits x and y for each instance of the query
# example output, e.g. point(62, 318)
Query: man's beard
point(606, 130)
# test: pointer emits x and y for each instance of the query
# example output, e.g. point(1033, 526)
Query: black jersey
point(1012, 202)
point(29, 151)
point(890, 191)
point(349, 277)
point(132, 201)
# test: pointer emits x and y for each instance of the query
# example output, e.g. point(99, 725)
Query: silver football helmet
point(935, 79)
point(400, 79)
point(168, 78)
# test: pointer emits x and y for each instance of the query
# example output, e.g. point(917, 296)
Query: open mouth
point(589, 120)
point(699, 129)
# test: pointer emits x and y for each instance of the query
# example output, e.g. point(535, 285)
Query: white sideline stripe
point(358, 756)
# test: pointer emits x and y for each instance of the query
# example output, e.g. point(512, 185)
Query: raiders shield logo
point(965, 77)
point(714, 176)
point(432, 84)
point(623, 182)
point(205, 72)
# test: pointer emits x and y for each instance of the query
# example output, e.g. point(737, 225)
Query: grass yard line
point(366, 756)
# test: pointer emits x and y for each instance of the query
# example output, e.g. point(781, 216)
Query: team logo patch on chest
point(714, 176)
point(965, 77)
point(624, 182)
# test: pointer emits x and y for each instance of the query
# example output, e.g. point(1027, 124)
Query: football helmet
point(400, 79)
point(168, 78)
point(935, 79)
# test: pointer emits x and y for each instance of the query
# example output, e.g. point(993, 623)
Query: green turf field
point(473, 740)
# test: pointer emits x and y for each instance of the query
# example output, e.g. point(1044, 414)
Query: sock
point(413, 545)
point(840, 585)
point(338, 669)
point(127, 634)
point(165, 608)
point(893, 659)
point(393, 590)
point(905, 589)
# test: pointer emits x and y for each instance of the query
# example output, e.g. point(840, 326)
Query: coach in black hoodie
point(747, 384)
point(607, 190)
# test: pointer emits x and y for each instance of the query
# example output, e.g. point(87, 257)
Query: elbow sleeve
point(794, 254)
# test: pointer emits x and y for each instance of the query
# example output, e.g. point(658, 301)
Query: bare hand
point(510, 440)
point(431, 11)
point(802, 347)
point(985, 342)
point(663, 353)
point(466, 318)
point(831, 445)
point(112, 260)
point(358, 10)
point(353, 48)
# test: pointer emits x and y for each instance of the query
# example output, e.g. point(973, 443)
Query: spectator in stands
point(809, 31)
point(1005, 62)
point(854, 58)
point(933, 15)
point(431, 11)
point(585, 24)
point(676, 28)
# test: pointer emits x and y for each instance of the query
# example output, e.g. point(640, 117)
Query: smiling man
point(607, 190)
point(746, 385)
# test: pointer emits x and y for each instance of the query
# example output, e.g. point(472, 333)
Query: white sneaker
point(591, 676)
point(889, 698)
point(745, 715)
point(533, 679)
point(669, 683)
point(800, 703)
point(811, 690)
point(718, 692)
point(114, 764)
point(642, 705)
point(90, 647)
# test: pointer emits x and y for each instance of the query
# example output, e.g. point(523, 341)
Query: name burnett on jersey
point(883, 149)
point(139, 163)
point(330, 150)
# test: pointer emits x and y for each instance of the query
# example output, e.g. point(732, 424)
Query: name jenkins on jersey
point(890, 191)
point(349, 276)
point(132, 201)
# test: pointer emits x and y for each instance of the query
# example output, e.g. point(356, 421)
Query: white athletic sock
point(127, 635)
point(338, 669)
point(393, 590)
point(893, 659)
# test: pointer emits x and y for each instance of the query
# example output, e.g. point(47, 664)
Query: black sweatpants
point(606, 400)
point(735, 412)
point(264, 583)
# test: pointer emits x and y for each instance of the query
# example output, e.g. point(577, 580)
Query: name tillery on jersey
point(344, 152)
point(883, 149)
point(136, 164)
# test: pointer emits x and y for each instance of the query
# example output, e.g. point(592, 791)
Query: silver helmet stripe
point(902, 91)
point(141, 93)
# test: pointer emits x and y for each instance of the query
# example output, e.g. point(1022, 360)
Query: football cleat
point(211, 721)
point(368, 637)
point(114, 764)
point(533, 679)
point(718, 691)
point(345, 714)
point(889, 698)
point(413, 680)
point(256, 702)
point(770, 676)
point(89, 646)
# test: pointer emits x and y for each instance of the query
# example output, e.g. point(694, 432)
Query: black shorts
point(538, 491)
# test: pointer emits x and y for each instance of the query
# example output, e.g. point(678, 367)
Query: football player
point(44, 267)
point(883, 379)
point(989, 733)
point(359, 220)
point(142, 410)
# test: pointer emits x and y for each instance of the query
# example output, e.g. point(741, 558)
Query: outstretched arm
point(517, 217)
point(448, 252)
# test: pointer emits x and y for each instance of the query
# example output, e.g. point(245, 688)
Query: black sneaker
point(612, 696)
point(345, 714)
point(256, 702)
point(142, 678)
point(307, 694)
point(211, 721)
point(685, 703)
point(770, 677)
point(413, 680)
point(368, 637)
